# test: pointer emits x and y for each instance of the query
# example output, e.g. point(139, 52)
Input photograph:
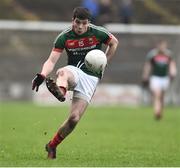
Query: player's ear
point(72, 20)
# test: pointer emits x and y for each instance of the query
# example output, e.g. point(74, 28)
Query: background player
point(159, 70)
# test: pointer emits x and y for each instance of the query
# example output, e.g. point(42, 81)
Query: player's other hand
point(171, 77)
point(37, 81)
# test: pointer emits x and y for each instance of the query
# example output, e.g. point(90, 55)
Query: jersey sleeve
point(150, 55)
point(170, 54)
point(59, 43)
point(104, 35)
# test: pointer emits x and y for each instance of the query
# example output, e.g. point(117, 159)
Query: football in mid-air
point(96, 60)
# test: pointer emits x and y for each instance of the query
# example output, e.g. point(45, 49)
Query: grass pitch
point(105, 136)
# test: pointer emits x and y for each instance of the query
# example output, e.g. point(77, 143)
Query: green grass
point(105, 136)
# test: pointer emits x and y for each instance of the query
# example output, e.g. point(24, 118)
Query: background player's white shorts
point(85, 85)
point(161, 83)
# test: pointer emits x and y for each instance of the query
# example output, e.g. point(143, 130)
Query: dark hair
point(81, 13)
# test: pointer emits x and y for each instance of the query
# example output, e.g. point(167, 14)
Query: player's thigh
point(86, 87)
point(166, 83)
point(156, 86)
point(156, 83)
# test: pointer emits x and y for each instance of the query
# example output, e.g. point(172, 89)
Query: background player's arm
point(146, 70)
point(50, 63)
point(172, 69)
point(112, 45)
point(146, 73)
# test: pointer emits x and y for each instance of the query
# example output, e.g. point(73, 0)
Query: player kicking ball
point(77, 40)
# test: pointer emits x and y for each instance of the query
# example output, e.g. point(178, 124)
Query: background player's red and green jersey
point(160, 62)
point(77, 46)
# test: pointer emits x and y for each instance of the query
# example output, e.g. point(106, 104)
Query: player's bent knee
point(61, 72)
point(64, 72)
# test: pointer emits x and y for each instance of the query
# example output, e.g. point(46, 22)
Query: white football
point(96, 60)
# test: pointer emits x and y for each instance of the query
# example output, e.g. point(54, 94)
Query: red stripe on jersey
point(57, 49)
point(83, 42)
point(161, 58)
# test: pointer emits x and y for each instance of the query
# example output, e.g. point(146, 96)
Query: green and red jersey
point(160, 62)
point(77, 46)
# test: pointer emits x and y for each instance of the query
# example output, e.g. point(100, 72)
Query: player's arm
point(146, 73)
point(50, 63)
point(172, 69)
point(112, 46)
point(47, 68)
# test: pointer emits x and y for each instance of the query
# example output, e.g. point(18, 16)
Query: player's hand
point(37, 81)
point(171, 77)
point(101, 72)
point(145, 83)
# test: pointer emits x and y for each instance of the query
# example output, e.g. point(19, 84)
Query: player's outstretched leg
point(54, 89)
point(52, 145)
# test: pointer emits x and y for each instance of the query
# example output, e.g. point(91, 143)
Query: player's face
point(80, 26)
point(162, 46)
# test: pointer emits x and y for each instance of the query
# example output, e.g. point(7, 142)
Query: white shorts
point(161, 83)
point(85, 85)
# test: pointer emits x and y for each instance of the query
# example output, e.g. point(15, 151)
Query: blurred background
point(28, 29)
